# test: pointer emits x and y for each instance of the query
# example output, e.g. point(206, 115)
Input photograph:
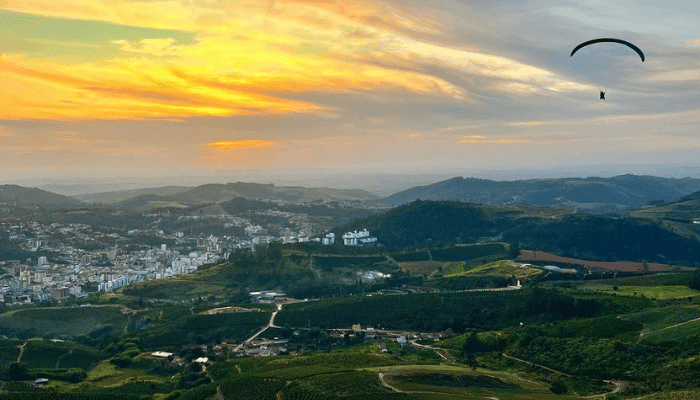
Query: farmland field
point(659, 318)
point(360, 262)
point(505, 269)
point(653, 292)
point(61, 321)
point(628, 266)
point(682, 333)
point(453, 382)
point(50, 354)
point(420, 268)
point(469, 252)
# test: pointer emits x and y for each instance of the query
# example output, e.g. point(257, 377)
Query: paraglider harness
point(602, 95)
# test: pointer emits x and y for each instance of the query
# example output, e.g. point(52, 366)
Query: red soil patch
point(628, 266)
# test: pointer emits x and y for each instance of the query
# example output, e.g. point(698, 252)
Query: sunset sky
point(110, 87)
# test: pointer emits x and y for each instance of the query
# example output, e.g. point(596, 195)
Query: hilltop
point(185, 196)
point(566, 232)
point(23, 197)
point(585, 194)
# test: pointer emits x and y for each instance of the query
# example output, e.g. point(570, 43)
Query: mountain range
point(585, 194)
point(22, 197)
point(591, 194)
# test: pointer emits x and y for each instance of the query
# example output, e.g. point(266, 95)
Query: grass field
point(358, 262)
point(675, 395)
point(664, 278)
point(684, 332)
point(106, 375)
point(658, 318)
point(505, 269)
point(61, 322)
point(420, 268)
point(457, 382)
point(662, 292)
point(50, 354)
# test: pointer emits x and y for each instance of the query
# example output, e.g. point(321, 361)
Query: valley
point(453, 300)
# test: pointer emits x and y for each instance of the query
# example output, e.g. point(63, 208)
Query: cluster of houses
point(356, 238)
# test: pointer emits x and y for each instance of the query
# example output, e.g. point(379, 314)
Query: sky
point(95, 88)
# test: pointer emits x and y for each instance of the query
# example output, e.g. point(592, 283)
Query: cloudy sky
point(104, 87)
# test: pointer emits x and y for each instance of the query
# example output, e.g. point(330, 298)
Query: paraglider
point(608, 40)
point(603, 40)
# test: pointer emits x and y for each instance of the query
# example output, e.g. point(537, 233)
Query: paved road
point(270, 324)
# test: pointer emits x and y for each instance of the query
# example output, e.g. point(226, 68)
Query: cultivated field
point(653, 292)
point(627, 266)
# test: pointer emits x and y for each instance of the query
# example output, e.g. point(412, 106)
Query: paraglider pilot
point(602, 95)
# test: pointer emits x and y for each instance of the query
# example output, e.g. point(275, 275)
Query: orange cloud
point(472, 139)
point(248, 58)
point(240, 144)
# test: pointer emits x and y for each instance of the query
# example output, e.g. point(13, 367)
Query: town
point(74, 259)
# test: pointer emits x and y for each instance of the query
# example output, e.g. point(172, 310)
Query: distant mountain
point(19, 196)
point(216, 193)
point(593, 194)
point(123, 195)
point(210, 194)
point(146, 202)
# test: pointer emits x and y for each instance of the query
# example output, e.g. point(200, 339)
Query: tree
point(695, 280)
point(513, 250)
point(558, 387)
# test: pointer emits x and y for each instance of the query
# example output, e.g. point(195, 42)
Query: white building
point(329, 239)
point(358, 238)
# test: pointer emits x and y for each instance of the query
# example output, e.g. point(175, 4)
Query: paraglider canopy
point(610, 40)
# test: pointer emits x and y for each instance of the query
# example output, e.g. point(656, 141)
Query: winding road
point(270, 324)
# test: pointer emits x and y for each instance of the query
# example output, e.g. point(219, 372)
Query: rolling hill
point(570, 234)
point(124, 195)
point(24, 197)
point(182, 197)
point(585, 194)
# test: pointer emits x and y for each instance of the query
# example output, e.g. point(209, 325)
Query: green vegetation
point(61, 321)
point(52, 354)
point(438, 312)
point(504, 269)
point(360, 263)
point(665, 292)
point(176, 328)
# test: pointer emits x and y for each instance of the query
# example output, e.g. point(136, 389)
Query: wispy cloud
point(477, 139)
point(240, 145)
point(241, 60)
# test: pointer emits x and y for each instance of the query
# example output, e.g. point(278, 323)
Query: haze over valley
point(361, 200)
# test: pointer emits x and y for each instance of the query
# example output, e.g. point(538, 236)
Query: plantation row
point(176, 332)
point(251, 389)
point(455, 253)
point(437, 312)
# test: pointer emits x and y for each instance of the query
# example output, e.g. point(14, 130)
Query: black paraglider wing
point(626, 43)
